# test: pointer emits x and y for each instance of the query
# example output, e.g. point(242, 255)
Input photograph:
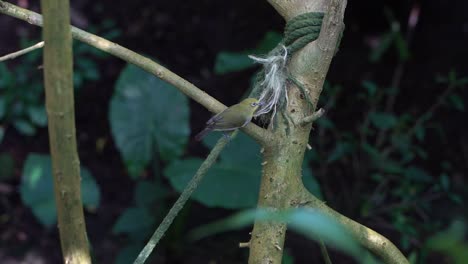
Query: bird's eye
point(254, 104)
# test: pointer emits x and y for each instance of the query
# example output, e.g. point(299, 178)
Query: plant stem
point(58, 79)
point(184, 196)
point(22, 52)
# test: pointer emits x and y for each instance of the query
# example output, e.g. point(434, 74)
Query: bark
point(58, 77)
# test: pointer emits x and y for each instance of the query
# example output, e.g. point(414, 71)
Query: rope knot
point(270, 85)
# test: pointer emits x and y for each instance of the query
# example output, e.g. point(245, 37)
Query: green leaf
point(385, 42)
point(307, 222)
point(401, 46)
point(38, 115)
point(382, 121)
point(7, 78)
point(225, 185)
point(370, 86)
point(341, 149)
point(147, 193)
point(2, 133)
point(129, 253)
point(310, 182)
point(37, 191)
point(136, 222)
point(450, 242)
point(7, 165)
point(233, 182)
point(227, 62)
point(2, 107)
point(269, 42)
point(417, 174)
point(147, 116)
point(24, 127)
point(457, 102)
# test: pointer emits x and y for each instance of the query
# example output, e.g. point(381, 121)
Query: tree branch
point(58, 81)
point(281, 185)
point(22, 52)
point(260, 135)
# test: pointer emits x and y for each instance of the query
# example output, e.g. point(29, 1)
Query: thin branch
point(309, 119)
point(323, 249)
point(184, 196)
point(259, 134)
point(21, 52)
point(373, 241)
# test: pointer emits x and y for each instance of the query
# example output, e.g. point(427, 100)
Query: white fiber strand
point(274, 80)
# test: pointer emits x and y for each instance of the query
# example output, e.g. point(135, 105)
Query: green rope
point(301, 30)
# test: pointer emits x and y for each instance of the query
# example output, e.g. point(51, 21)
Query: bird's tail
point(203, 133)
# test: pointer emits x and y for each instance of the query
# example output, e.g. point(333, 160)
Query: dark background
point(186, 37)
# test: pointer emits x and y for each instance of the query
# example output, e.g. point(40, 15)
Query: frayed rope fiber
point(270, 85)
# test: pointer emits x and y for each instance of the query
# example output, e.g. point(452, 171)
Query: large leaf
point(309, 222)
point(147, 115)
point(37, 190)
point(137, 222)
point(233, 182)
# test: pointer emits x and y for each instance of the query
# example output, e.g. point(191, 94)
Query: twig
point(323, 249)
point(244, 244)
point(309, 119)
point(21, 52)
point(184, 196)
point(259, 134)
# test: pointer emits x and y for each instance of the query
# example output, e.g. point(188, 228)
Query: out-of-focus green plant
point(37, 191)
point(21, 85)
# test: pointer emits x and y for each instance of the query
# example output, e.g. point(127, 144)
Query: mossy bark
point(58, 78)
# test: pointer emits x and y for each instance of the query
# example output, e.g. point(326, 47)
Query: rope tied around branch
point(270, 83)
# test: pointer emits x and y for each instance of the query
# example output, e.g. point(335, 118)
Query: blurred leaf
point(227, 62)
point(417, 174)
point(225, 185)
point(307, 222)
point(341, 149)
point(450, 242)
point(136, 222)
point(401, 46)
point(287, 258)
point(382, 121)
point(129, 253)
point(445, 182)
point(147, 116)
point(371, 87)
point(24, 127)
point(147, 193)
point(420, 132)
point(385, 42)
point(7, 78)
point(270, 41)
point(2, 133)
point(7, 165)
point(38, 115)
point(2, 107)
point(37, 191)
point(310, 181)
point(457, 102)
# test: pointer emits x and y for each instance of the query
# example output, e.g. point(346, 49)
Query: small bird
point(232, 118)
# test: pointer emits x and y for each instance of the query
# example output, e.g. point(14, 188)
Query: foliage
point(308, 222)
point(148, 117)
point(21, 87)
point(451, 242)
point(37, 189)
point(385, 156)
